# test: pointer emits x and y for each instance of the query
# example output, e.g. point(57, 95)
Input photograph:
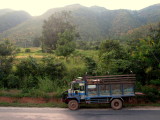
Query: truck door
point(76, 89)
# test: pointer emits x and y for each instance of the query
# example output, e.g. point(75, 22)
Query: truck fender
point(116, 98)
point(75, 98)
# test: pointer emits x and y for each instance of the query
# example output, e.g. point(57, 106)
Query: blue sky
point(38, 7)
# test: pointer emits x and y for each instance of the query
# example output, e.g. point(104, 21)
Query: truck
point(112, 89)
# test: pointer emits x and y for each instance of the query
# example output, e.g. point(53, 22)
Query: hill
point(10, 19)
point(93, 23)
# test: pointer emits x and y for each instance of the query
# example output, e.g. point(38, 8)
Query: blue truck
point(113, 89)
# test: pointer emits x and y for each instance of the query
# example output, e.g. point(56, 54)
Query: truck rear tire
point(73, 105)
point(116, 104)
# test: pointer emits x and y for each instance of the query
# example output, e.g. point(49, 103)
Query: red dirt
point(29, 100)
point(7, 99)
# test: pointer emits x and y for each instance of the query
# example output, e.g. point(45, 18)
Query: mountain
point(4, 11)
point(93, 23)
point(150, 14)
point(10, 19)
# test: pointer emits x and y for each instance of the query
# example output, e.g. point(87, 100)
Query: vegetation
point(93, 23)
point(62, 57)
point(58, 26)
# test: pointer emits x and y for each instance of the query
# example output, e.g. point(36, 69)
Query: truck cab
point(111, 89)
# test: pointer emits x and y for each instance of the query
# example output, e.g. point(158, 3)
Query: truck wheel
point(73, 105)
point(116, 104)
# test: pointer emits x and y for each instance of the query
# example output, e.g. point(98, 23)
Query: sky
point(38, 7)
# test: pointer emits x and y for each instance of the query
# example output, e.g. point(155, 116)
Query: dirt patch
point(35, 56)
point(7, 99)
point(29, 100)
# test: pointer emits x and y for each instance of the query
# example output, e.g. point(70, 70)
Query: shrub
point(52, 68)
point(27, 50)
point(152, 94)
point(33, 93)
point(18, 50)
point(45, 84)
point(30, 82)
point(13, 81)
point(28, 67)
point(155, 82)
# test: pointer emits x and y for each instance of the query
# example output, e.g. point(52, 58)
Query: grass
point(60, 105)
point(63, 105)
point(35, 93)
point(148, 104)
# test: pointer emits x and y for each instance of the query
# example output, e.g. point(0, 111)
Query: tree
point(37, 42)
point(90, 65)
point(56, 24)
point(65, 44)
point(146, 57)
point(113, 58)
point(7, 52)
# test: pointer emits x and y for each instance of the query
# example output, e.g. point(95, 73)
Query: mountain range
point(93, 23)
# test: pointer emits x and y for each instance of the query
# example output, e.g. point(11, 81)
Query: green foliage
point(28, 67)
point(151, 93)
point(155, 82)
point(90, 65)
point(87, 45)
point(7, 52)
point(46, 84)
point(13, 81)
point(95, 23)
point(52, 68)
point(65, 44)
point(56, 24)
point(114, 59)
point(7, 48)
point(30, 71)
point(145, 57)
point(33, 93)
point(18, 50)
point(27, 50)
point(37, 42)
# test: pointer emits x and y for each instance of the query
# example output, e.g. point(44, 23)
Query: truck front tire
point(73, 105)
point(116, 104)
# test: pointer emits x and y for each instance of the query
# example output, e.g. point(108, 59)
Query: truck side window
point(76, 86)
point(81, 88)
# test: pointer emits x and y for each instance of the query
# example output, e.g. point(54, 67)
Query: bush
point(45, 84)
point(152, 94)
point(27, 50)
point(30, 82)
point(18, 50)
point(28, 67)
point(138, 87)
point(52, 68)
point(13, 81)
point(155, 82)
point(33, 93)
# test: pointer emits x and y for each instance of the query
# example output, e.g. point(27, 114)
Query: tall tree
point(65, 44)
point(113, 58)
point(55, 25)
point(7, 52)
point(146, 57)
